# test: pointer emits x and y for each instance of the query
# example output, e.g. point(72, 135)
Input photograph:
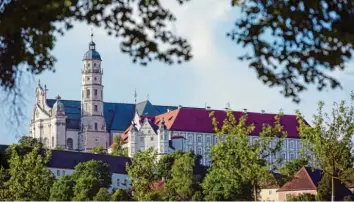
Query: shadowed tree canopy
point(292, 43)
point(28, 29)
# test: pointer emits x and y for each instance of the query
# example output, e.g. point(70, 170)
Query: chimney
point(245, 110)
point(168, 110)
point(179, 106)
point(208, 108)
point(262, 111)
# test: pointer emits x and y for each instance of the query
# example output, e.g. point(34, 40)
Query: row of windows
point(200, 140)
point(88, 93)
point(125, 183)
point(58, 173)
point(95, 126)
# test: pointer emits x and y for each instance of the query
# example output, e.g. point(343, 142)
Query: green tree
point(120, 195)
point(286, 41)
point(223, 184)
point(329, 140)
point(289, 168)
point(324, 189)
point(24, 146)
point(96, 169)
point(86, 188)
point(242, 159)
point(142, 172)
point(29, 41)
point(62, 189)
point(302, 197)
point(182, 182)
point(98, 150)
point(102, 195)
point(164, 165)
point(117, 147)
point(89, 177)
point(197, 196)
point(29, 179)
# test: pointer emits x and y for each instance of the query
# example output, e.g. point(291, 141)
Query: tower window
point(87, 78)
point(87, 93)
point(53, 141)
point(94, 64)
point(96, 108)
point(95, 78)
point(96, 126)
point(95, 92)
point(83, 92)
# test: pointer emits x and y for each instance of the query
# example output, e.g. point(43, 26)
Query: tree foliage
point(29, 179)
point(182, 182)
point(62, 189)
point(301, 197)
point(30, 37)
point(238, 159)
point(120, 195)
point(294, 43)
point(142, 172)
point(289, 168)
point(164, 165)
point(95, 169)
point(329, 140)
point(102, 195)
point(98, 150)
point(117, 147)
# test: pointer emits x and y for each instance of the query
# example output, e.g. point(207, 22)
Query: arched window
point(69, 143)
point(46, 142)
point(199, 151)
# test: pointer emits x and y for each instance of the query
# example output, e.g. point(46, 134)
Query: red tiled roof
point(198, 120)
point(304, 179)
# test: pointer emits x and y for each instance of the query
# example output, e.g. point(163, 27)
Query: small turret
point(58, 108)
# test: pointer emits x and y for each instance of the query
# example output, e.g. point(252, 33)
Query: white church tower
point(93, 126)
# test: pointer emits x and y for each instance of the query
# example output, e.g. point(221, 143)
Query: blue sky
point(214, 76)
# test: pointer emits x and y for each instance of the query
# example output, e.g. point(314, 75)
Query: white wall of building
point(119, 181)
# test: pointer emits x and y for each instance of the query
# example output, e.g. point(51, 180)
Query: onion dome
point(92, 54)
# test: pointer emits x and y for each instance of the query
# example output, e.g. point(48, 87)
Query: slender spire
point(147, 96)
point(91, 35)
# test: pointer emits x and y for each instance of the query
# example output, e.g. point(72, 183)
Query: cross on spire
point(91, 34)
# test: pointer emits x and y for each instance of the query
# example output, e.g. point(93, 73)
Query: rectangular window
point(190, 138)
point(125, 182)
point(208, 140)
point(117, 182)
point(141, 139)
point(95, 92)
point(199, 151)
point(283, 155)
point(151, 138)
point(292, 144)
point(199, 139)
point(87, 93)
point(63, 172)
point(96, 108)
point(96, 126)
point(58, 172)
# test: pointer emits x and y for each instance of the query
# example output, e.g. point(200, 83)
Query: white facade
point(49, 124)
point(119, 181)
point(144, 136)
point(199, 143)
